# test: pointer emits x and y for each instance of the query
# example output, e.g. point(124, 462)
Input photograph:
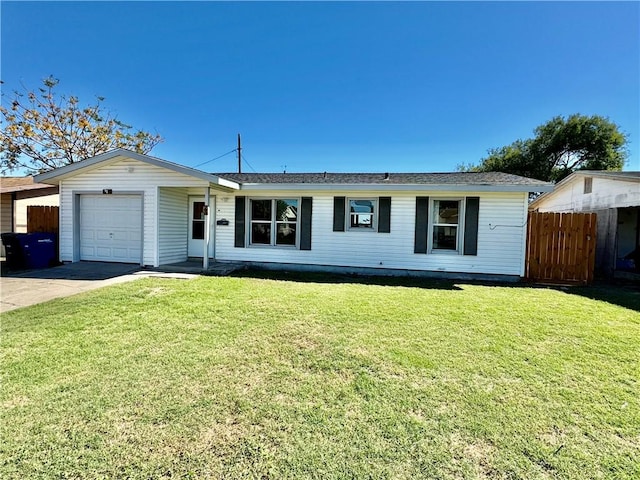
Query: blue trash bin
point(40, 250)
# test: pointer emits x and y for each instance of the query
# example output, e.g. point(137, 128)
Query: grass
point(302, 377)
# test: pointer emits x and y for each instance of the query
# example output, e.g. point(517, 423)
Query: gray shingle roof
point(456, 178)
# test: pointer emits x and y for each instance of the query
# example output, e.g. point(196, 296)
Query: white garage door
point(111, 228)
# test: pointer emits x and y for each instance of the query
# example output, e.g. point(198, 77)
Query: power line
point(244, 158)
point(223, 155)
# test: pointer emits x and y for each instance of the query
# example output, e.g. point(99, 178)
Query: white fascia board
point(561, 185)
point(547, 195)
point(223, 182)
point(536, 203)
point(605, 174)
point(395, 187)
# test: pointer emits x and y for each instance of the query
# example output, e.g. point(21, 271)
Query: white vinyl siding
point(5, 217)
point(6, 213)
point(122, 176)
point(173, 224)
point(500, 246)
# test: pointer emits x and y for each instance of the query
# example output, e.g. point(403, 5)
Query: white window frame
point(460, 226)
point(374, 215)
point(273, 222)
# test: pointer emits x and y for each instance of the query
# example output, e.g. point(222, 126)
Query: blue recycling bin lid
point(40, 249)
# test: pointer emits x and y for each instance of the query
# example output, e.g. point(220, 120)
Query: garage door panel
point(111, 228)
point(88, 219)
point(86, 234)
point(102, 235)
point(123, 236)
point(120, 202)
point(123, 253)
point(89, 200)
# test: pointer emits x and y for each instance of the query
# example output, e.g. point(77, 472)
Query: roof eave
point(615, 175)
point(26, 188)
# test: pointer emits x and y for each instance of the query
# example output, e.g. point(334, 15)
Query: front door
point(197, 225)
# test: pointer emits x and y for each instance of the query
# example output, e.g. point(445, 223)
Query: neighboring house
point(125, 207)
point(615, 198)
point(16, 194)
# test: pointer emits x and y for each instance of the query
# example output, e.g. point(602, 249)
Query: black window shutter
point(338, 214)
point(239, 222)
point(384, 214)
point(422, 224)
point(471, 226)
point(305, 223)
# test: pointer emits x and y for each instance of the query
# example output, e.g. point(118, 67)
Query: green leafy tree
point(42, 130)
point(560, 147)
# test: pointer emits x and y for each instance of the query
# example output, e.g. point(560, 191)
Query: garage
point(111, 228)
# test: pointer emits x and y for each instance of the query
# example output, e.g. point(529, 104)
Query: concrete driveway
point(24, 288)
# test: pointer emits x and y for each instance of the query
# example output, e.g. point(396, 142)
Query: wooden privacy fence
point(42, 219)
point(561, 247)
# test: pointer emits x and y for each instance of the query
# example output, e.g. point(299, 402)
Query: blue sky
point(418, 86)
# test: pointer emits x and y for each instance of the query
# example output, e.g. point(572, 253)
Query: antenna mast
point(239, 156)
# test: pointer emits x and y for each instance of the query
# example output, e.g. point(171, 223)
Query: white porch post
point(207, 230)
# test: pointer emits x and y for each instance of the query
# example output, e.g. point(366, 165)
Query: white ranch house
point(126, 207)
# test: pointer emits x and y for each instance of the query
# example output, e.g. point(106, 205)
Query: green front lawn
point(267, 378)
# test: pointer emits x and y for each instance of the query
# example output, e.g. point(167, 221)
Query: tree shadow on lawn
point(623, 295)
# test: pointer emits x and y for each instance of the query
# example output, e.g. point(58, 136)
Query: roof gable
point(54, 176)
point(579, 175)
